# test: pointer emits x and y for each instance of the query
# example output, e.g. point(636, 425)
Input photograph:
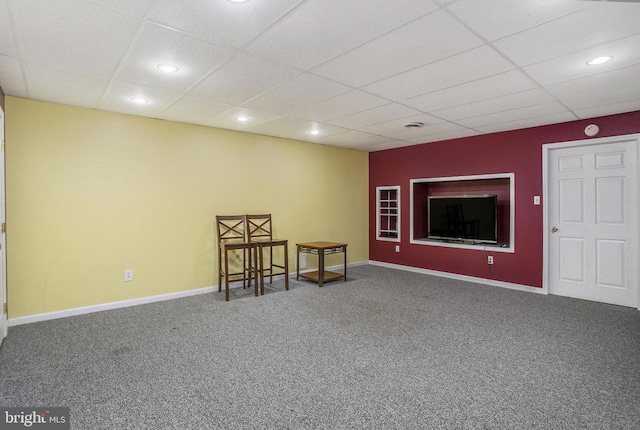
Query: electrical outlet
point(128, 275)
point(397, 248)
point(490, 259)
point(536, 200)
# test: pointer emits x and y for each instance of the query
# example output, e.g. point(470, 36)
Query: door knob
point(554, 229)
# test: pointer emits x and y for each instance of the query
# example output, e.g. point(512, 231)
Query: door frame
point(4, 324)
point(546, 152)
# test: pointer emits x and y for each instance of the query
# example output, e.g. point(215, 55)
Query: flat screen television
point(463, 218)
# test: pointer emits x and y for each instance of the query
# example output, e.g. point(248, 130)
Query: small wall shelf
point(388, 213)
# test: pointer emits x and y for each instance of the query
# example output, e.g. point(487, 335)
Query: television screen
point(463, 218)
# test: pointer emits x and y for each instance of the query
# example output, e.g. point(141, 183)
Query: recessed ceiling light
point(139, 100)
point(599, 60)
point(314, 132)
point(242, 118)
point(169, 68)
point(238, 1)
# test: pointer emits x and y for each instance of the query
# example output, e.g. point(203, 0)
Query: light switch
point(536, 200)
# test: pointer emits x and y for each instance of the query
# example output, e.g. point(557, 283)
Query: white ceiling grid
point(355, 72)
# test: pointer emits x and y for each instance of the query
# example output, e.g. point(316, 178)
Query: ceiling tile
point(297, 94)
point(445, 135)
point(157, 45)
point(475, 64)
point(391, 128)
point(392, 111)
point(137, 7)
point(7, 41)
point(77, 44)
point(496, 19)
point(11, 78)
point(532, 97)
point(232, 24)
point(237, 81)
point(317, 31)
point(118, 99)
point(421, 134)
point(598, 97)
point(504, 83)
point(522, 113)
point(552, 118)
point(611, 109)
point(342, 105)
point(402, 49)
point(70, 89)
point(229, 118)
point(193, 110)
point(584, 29)
point(606, 81)
point(625, 52)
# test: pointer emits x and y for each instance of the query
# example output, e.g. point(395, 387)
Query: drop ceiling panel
point(232, 24)
point(118, 99)
point(472, 65)
point(243, 78)
point(495, 19)
point(138, 7)
point(297, 94)
point(78, 43)
point(229, 118)
point(342, 105)
point(584, 29)
point(608, 109)
point(391, 128)
point(317, 31)
point(157, 45)
point(65, 88)
point(494, 86)
point(513, 115)
point(553, 118)
point(605, 81)
point(598, 97)
point(403, 49)
point(7, 41)
point(200, 111)
point(421, 134)
point(625, 52)
point(532, 97)
point(12, 78)
point(392, 111)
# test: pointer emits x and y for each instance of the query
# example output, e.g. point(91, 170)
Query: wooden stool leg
point(226, 275)
point(286, 266)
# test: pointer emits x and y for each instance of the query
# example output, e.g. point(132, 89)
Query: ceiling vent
point(414, 125)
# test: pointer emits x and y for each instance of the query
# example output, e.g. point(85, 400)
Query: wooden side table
point(321, 249)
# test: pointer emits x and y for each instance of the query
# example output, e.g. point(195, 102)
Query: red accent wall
point(518, 152)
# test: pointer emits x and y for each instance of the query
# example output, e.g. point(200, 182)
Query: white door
point(3, 272)
point(592, 221)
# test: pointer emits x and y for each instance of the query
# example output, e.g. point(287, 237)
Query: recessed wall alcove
point(502, 185)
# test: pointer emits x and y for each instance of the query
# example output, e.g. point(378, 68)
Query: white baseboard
point(143, 300)
point(494, 283)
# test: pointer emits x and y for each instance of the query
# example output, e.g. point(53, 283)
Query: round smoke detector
point(414, 125)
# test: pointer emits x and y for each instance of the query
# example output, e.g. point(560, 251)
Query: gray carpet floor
point(385, 350)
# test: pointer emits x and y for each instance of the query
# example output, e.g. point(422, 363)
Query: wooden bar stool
point(231, 239)
point(259, 232)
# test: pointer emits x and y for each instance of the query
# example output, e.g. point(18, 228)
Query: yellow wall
point(92, 193)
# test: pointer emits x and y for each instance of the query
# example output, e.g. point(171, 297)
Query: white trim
point(491, 282)
point(479, 247)
point(398, 220)
point(144, 300)
point(546, 148)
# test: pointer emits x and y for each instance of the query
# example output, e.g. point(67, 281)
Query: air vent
point(414, 125)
